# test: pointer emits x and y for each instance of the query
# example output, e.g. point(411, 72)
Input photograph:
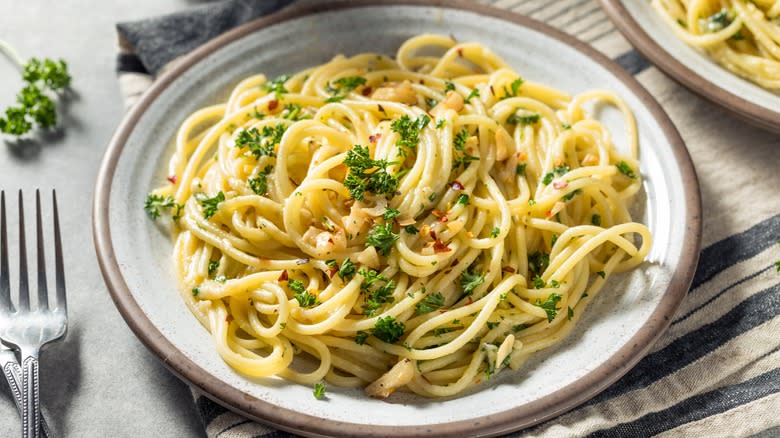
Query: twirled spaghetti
point(742, 36)
point(435, 216)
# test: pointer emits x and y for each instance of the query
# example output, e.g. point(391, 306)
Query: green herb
point(739, 36)
point(431, 102)
point(558, 171)
point(341, 87)
point(277, 85)
point(537, 263)
point(601, 274)
point(596, 220)
point(682, 23)
point(319, 390)
point(449, 86)
point(519, 327)
point(411, 229)
point(523, 119)
point(565, 125)
point(36, 107)
point(464, 160)
point(388, 329)
point(382, 238)
point(195, 291)
point(520, 169)
point(259, 183)
point(440, 124)
point(377, 296)
point(718, 21)
point(625, 169)
point(304, 298)
point(470, 281)
point(553, 239)
point(491, 325)
point(429, 304)
point(155, 203)
point(549, 306)
point(347, 270)
point(569, 313)
point(474, 93)
point(390, 214)
point(514, 88)
point(292, 111)
point(261, 143)
point(539, 283)
point(460, 139)
point(463, 199)
point(494, 232)
point(432, 197)
point(213, 266)
point(409, 132)
point(361, 336)
point(555, 284)
point(367, 175)
point(210, 205)
point(257, 114)
point(777, 265)
point(531, 202)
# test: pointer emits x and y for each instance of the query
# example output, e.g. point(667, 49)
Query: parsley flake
point(210, 205)
point(549, 306)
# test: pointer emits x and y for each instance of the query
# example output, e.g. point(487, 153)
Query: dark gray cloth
point(157, 41)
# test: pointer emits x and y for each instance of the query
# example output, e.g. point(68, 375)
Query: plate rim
point(509, 420)
point(745, 110)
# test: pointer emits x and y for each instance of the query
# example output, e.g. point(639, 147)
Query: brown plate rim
point(631, 29)
point(512, 419)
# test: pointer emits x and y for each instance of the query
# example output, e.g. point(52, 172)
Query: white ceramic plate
point(642, 26)
point(621, 325)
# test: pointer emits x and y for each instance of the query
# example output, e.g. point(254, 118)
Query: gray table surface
point(100, 381)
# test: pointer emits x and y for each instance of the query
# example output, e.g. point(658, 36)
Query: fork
point(13, 374)
point(21, 327)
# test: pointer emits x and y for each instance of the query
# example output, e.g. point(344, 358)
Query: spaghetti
point(435, 216)
point(742, 36)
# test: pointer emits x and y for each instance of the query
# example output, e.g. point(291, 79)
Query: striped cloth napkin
point(716, 371)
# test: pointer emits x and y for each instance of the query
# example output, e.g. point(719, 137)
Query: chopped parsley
point(520, 169)
point(429, 304)
point(390, 214)
point(523, 119)
point(514, 89)
point(382, 238)
point(376, 295)
point(213, 266)
point(347, 270)
point(492, 324)
point(361, 336)
point(341, 87)
point(259, 183)
point(494, 232)
point(210, 205)
point(449, 86)
point(440, 124)
point(409, 132)
point(304, 298)
point(388, 329)
point(519, 327)
point(460, 139)
point(277, 85)
point(463, 199)
point(261, 143)
point(367, 175)
point(569, 313)
point(569, 196)
point(601, 274)
point(539, 283)
point(292, 111)
point(549, 306)
point(470, 280)
point(537, 263)
point(717, 21)
point(154, 204)
point(558, 171)
point(596, 220)
point(411, 229)
point(625, 169)
point(319, 390)
point(474, 93)
point(565, 125)
point(195, 291)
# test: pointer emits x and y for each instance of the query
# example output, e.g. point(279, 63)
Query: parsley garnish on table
point(43, 79)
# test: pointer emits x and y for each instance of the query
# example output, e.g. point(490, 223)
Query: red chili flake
point(273, 104)
point(229, 319)
point(508, 269)
point(365, 91)
point(471, 300)
point(439, 214)
point(456, 185)
point(460, 51)
point(438, 247)
point(332, 271)
point(433, 235)
point(171, 178)
point(373, 138)
point(284, 276)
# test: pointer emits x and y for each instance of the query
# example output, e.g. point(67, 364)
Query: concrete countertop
point(100, 381)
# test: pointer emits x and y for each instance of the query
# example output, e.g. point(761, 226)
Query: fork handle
point(13, 375)
point(31, 413)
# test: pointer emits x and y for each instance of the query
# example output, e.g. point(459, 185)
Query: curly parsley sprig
point(35, 105)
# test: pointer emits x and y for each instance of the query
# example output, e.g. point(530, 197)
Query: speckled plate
point(619, 328)
point(641, 25)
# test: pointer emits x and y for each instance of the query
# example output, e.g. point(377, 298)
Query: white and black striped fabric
point(716, 371)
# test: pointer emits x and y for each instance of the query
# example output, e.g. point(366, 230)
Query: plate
point(642, 26)
point(621, 324)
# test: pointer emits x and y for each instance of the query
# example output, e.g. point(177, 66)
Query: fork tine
point(5, 287)
point(43, 294)
point(60, 274)
point(24, 292)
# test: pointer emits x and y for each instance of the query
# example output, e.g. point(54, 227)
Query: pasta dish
point(743, 36)
point(419, 222)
